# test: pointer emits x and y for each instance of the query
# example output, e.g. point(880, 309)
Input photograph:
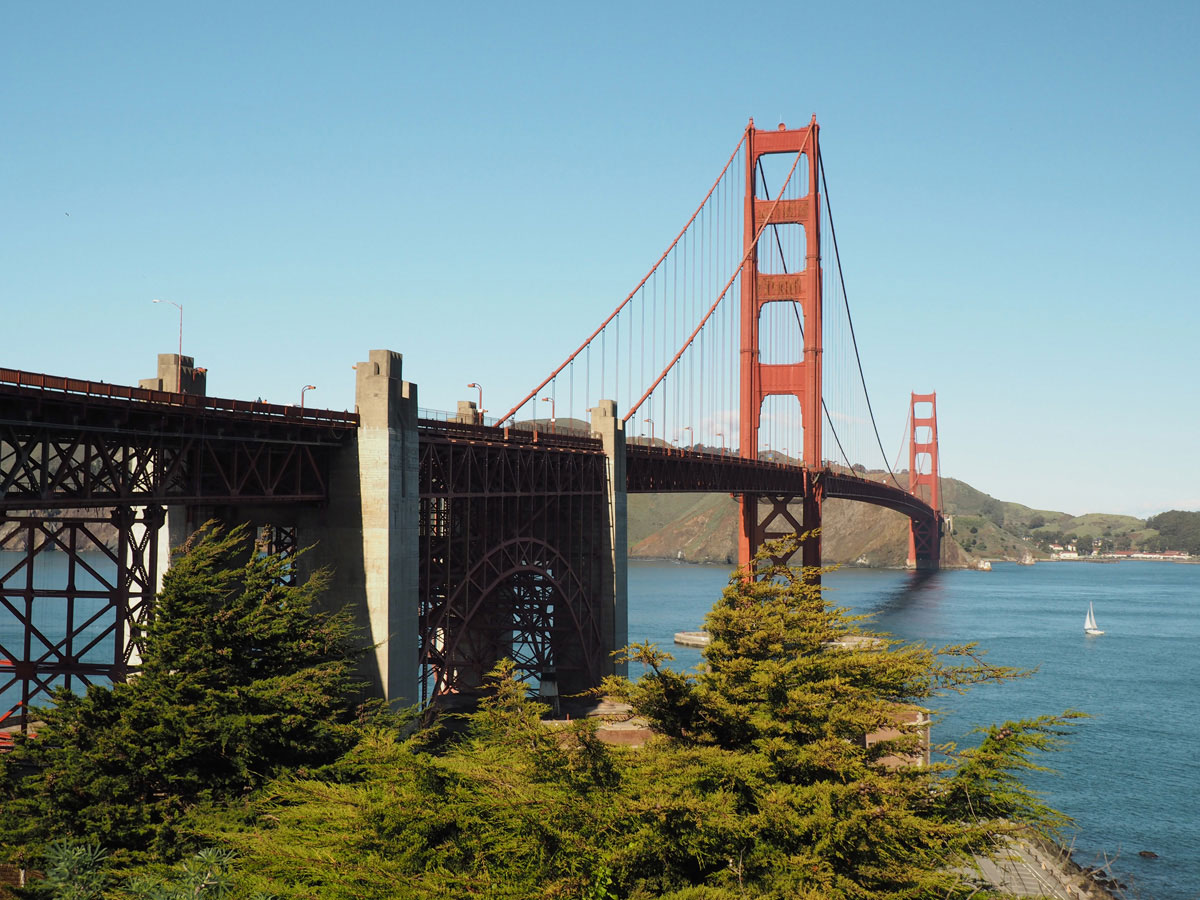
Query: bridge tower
point(924, 535)
point(802, 378)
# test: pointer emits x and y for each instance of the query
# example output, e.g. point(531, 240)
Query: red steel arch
point(522, 601)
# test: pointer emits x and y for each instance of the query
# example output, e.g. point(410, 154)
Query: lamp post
point(721, 435)
point(651, 421)
point(179, 359)
point(691, 438)
point(550, 400)
point(479, 405)
point(307, 387)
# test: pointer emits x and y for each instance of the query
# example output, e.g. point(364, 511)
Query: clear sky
point(1015, 187)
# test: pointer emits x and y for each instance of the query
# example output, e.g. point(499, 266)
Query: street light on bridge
point(691, 437)
point(179, 360)
point(550, 400)
point(651, 421)
point(721, 435)
point(479, 406)
point(307, 387)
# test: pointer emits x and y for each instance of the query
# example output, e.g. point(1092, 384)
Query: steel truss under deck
point(78, 448)
point(511, 554)
point(76, 605)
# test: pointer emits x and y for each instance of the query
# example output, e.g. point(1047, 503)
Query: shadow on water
point(911, 609)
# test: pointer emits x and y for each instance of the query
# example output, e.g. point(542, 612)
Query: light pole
point(179, 361)
point(479, 406)
point(307, 387)
point(721, 435)
point(651, 421)
point(691, 438)
point(550, 400)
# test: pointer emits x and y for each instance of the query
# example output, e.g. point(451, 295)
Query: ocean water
point(1130, 776)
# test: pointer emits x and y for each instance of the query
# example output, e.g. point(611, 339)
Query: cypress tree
point(792, 687)
point(242, 678)
point(762, 782)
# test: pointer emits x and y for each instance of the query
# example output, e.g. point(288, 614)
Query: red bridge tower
point(801, 379)
point(924, 536)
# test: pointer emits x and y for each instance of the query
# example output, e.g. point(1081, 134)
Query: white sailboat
point(1089, 624)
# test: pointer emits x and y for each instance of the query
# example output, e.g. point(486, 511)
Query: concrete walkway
point(1027, 870)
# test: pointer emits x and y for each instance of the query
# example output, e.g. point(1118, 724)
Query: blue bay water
point(1130, 776)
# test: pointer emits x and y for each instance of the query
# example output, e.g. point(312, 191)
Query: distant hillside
point(703, 528)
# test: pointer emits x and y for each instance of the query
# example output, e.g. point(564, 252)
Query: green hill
point(703, 528)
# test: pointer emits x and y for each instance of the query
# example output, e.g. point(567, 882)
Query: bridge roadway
point(451, 543)
point(661, 469)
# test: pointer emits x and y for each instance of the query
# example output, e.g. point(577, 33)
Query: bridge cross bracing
point(730, 367)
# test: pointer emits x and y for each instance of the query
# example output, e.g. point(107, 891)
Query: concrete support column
point(388, 474)
point(613, 564)
point(176, 374)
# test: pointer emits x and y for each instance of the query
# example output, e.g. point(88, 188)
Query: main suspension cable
point(846, 300)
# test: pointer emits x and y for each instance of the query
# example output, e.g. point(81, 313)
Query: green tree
point(790, 689)
point(788, 766)
point(501, 806)
point(762, 781)
point(241, 679)
point(1177, 530)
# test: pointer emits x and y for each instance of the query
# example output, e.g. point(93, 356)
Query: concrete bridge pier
point(365, 534)
point(388, 496)
point(614, 593)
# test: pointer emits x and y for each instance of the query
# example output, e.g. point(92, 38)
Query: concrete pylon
point(613, 563)
point(388, 478)
point(177, 375)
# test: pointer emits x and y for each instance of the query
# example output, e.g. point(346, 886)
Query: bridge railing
point(258, 409)
point(642, 445)
point(575, 439)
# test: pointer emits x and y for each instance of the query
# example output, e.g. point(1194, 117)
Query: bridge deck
point(17, 385)
point(71, 443)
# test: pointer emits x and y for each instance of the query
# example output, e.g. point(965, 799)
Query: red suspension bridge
point(722, 345)
point(732, 366)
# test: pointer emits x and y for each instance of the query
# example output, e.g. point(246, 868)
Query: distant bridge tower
point(924, 535)
point(800, 379)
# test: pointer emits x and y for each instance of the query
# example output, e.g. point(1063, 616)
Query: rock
point(1148, 854)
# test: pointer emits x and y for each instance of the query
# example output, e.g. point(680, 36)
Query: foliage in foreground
point(241, 679)
point(761, 784)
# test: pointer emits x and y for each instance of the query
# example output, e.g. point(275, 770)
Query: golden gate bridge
point(456, 540)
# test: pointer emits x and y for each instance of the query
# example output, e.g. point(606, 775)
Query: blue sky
point(1015, 190)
